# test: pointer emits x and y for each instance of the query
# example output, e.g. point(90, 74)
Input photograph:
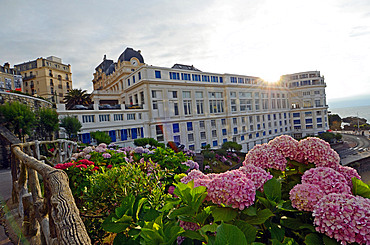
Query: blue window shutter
point(86, 138)
point(134, 133)
point(112, 135)
point(124, 134)
point(142, 132)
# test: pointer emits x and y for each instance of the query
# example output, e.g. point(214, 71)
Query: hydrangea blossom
point(232, 188)
point(344, 217)
point(304, 197)
point(193, 175)
point(286, 145)
point(87, 150)
point(258, 175)
point(348, 173)
point(265, 156)
point(328, 180)
point(139, 150)
point(107, 155)
point(319, 152)
point(191, 164)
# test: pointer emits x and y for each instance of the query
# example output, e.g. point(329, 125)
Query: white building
point(195, 108)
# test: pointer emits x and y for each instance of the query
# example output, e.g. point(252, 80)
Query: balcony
point(26, 78)
point(109, 107)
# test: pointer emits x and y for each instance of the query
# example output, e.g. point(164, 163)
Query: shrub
point(101, 137)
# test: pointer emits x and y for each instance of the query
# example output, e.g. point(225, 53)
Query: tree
point(18, 118)
point(71, 125)
point(231, 146)
point(47, 122)
point(77, 97)
point(101, 137)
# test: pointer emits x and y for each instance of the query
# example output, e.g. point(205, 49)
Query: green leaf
point(287, 241)
point(224, 214)
point(277, 232)
point(229, 235)
point(138, 206)
point(194, 235)
point(313, 239)
point(210, 228)
point(261, 217)
point(151, 214)
point(264, 202)
point(181, 211)
point(251, 211)
point(295, 224)
point(151, 236)
point(249, 231)
point(202, 216)
point(171, 232)
point(272, 190)
point(111, 224)
point(360, 188)
point(329, 241)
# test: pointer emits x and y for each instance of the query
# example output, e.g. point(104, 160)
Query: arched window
point(51, 82)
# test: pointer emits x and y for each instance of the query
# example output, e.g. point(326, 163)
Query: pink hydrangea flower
point(258, 175)
point(286, 145)
point(328, 180)
point(192, 175)
point(107, 155)
point(191, 164)
point(319, 152)
point(87, 150)
point(266, 156)
point(232, 188)
point(304, 197)
point(348, 173)
point(344, 217)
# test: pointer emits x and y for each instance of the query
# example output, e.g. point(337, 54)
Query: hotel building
point(10, 79)
point(196, 108)
point(46, 77)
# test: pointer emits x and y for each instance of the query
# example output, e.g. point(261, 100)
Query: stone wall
point(32, 102)
point(7, 138)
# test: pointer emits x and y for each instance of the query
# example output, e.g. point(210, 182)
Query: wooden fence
point(45, 201)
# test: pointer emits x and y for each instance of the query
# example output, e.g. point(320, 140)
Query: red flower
point(109, 166)
point(86, 162)
point(81, 166)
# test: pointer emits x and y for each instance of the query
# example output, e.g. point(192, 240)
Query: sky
point(264, 38)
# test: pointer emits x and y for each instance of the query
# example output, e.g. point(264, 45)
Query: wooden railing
point(45, 201)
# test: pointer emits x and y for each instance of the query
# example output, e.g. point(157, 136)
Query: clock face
point(134, 62)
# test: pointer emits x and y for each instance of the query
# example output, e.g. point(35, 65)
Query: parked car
point(79, 107)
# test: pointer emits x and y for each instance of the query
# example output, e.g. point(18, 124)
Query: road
point(5, 185)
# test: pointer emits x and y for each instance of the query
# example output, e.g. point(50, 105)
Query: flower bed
point(286, 192)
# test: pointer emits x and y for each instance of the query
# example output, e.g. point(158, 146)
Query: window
point(176, 128)
point(200, 107)
point(251, 127)
point(319, 119)
point(103, 118)
point(318, 103)
point(192, 147)
point(185, 76)
point(174, 75)
point(223, 121)
point(296, 114)
point(308, 120)
point(205, 78)
point(203, 144)
point(201, 124)
point(174, 94)
point(154, 94)
point(221, 80)
point(186, 94)
point(131, 116)
point(176, 109)
point(308, 114)
point(203, 135)
point(133, 79)
point(296, 121)
point(213, 123)
point(118, 117)
point(224, 132)
point(244, 129)
point(216, 103)
point(155, 105)
point(139, 74)
point(235, 130)
point(214, 79)
point(233, 80)
point(235, 121)
point(190, 137)
point(189, 126)
point(159, 132)
point(195, 77)
point(240, 80)
point(176, 138)
point(233, 94)
point(233, 105)
point(158, 74)
point(214, 133)
point(198, 94)
point(88, 118)
point(187, 107)
point(318, 113)
point(214, 143)
point(242, 138)
point(317, 92)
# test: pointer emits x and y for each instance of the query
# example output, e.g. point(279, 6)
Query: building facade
point(10, 78)
point(195, 108)
point(46, 77)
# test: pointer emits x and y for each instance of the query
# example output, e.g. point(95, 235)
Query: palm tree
point(76, 97)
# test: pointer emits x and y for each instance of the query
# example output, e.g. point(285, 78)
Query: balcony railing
point(26, 78)
point(136, 106)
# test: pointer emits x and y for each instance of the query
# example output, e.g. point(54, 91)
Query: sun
point(270, 77)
